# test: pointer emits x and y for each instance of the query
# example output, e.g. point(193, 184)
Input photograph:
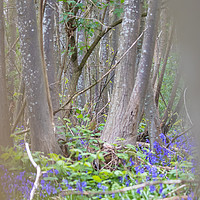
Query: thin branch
point(12, 47)
point(184, 132)
point(177, 189)
point(186, 110)
point(36, 183)
point(19, 115)
point(108, 72)
point(22, 132)
point(96, 41)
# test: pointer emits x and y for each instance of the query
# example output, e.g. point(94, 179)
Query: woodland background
point(101, 88)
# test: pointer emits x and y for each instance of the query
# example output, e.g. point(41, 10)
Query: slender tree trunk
point(128, 127)
point(48, 31)
point(152, 116)
point(114, 45)
point(81, 82)
point(4, 112)
point(171, 101)
point(159, 85)
point(124, 77)
point(42, 134)
point(12, 54)
point(50, 60)
point(103, 68)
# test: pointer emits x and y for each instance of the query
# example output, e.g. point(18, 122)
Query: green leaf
point(80, 116)
point(97, 179)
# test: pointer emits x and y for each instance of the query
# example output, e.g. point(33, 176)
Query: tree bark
point(5, 129)
point(124, 77)
point(50, 59)
point(152, 116)
point(127, 129)
point(42, 134)
point(12, 54)
point(159, 85)
point(103, 68)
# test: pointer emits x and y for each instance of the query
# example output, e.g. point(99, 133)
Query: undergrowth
point(90, 166)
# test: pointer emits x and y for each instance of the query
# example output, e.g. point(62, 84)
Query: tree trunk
point(12, 54)
point(127, 129)
point(103, 68)
point(124, 77)
point(42, 134)
point(152, 116)
point(4, 112)
point(159, 85)
point(50, 61)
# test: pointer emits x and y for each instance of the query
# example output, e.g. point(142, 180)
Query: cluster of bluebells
point(47, 187)
point(21, 182)
point(12, 182)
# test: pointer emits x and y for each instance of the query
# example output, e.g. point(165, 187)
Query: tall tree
point(125, 73)
point(42, 133)
point(4, 113)
point(127, 128)
point(131, 119)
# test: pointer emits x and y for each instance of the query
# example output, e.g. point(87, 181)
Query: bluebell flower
point(99, 185)
point(152, 188)
point(81, 185)
point(67, 184)
point(161, 188)
point(113, 195)
point(42, 182)
point(79, 157)
point(50, 171)
point(132, 162)
point(45, 175)
point(127, 183)
point(163, 138)
point(154, 172)
point(56, 171)
point(104, 188)
point(120, 179)
point(138, 191)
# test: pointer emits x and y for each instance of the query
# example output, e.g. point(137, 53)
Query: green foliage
point(89, 166)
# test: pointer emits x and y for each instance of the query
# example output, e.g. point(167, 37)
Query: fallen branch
point(142, 185)
point(36, 183)
point(176, 198)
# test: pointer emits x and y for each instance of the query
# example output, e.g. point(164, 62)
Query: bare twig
point(186, 110)
point(177, 189)
point(184, 132)
point(19, 115)
point(108, 72)
point(12, 47)
point(22, 132)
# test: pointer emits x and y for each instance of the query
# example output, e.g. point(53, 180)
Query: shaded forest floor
point(91, 169)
